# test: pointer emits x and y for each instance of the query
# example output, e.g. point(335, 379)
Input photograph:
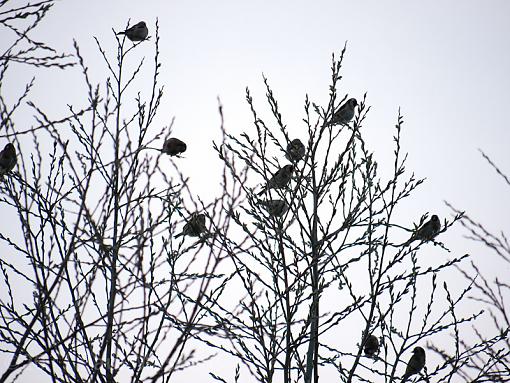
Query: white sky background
point(445, 63)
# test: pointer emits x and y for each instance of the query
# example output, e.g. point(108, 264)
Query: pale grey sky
point(444, 63)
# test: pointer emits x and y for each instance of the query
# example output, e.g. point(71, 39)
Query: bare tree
point(97, 205)
point(326, 252)
point(19, 23)
point(98, 284)
point(492, 361)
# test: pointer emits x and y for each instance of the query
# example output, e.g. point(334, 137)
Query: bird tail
point(178, 235)
point(262, 191)
point(121, 33)
point(404, 378)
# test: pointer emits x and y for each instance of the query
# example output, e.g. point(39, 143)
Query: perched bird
point(416, 363)
point(428, 231)
point(275, 207)
point(280, 179)
point(7, 159)
point(345, 113)
point(194, 227)
point(137, 32)
point(295, 150)
point(371, 345)
point(173, 146)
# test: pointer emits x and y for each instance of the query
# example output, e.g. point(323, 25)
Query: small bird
point(345, 113)
point(194, 227)
point(416, 363)
point(137, 32)
point(280, 179)
point(427, 232)
point(275, 207)
point(7, 159)
point(173, 146)
point(295, 150)
point(371, 345)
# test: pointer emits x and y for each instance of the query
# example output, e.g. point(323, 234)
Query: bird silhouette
point(173, 146)
point(275, 207)
point(194, 226)
point(7, 159)
point(416, 363)
point(137, 32)
point(280, 179)
point(295, 150)
point(427, 231)
point(371, 345)
point(344, 113)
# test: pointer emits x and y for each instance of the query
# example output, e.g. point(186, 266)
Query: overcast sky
point(446, 64)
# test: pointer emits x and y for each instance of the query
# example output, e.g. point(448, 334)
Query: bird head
point(419, 351)
point(10, 148)
point(296, 143)
point(181, 145)
point(352, 102)
point(288, 168)
point(201, 219)
point(371, 344)
point(434, 218)
point(141, 24)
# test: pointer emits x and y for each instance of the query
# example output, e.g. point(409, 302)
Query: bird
point(173, 146)
point(427, 232)
point(137, 32)
point(295, 150)
point(275, 207)
point(194, 226)
point(416, 363)
point(344, 113)
point(371, 345)
point(280, 179)
point(7, 159)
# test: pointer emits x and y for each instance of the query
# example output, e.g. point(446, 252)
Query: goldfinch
point(173, 146)
point(7, 159)
point(295, 150)
point(416, 363)
point(275, 207)
point(137, 32)
point(427, 232)
point(194, 227)
point(371, 347)
point(344, 113)
point(280, 179)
